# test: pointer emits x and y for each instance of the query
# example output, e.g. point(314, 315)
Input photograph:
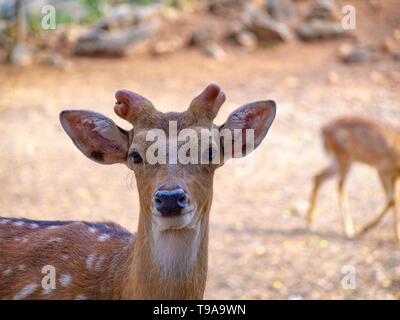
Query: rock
point(322, 22)
point(124, 16)
point(324, 10)
point(21, 55)
point(247, 39)
point(213, 50)
point(53, 60)
point(167, 46)
point(280, 9)
point(147, 13)
point(115, 42)
point(358, 55)
point(266, 29)
point(319, 29)
point(221, 6)
point(202, 35)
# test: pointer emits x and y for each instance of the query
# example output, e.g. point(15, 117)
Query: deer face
point(173, 155)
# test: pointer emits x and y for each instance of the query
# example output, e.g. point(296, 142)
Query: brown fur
point(367, 141)
point(158, 262)
point(36, 247)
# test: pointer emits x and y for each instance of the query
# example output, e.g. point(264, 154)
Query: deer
point(364, 140)
point(167, 258)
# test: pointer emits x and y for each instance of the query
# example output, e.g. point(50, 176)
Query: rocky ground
point(259, 247)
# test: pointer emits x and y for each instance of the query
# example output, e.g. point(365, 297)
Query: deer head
point(173, 195)
point(173, 163)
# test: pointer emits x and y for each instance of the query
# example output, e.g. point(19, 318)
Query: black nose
point(170, 202)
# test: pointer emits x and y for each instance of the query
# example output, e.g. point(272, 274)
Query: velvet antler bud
point(208, 103)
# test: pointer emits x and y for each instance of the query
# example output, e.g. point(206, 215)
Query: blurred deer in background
point(367, 141)
point(167, 257)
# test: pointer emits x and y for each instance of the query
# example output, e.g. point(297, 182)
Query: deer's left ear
point(96, 135)
point(256, 119)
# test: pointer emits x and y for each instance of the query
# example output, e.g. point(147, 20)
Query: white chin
point(173, 223)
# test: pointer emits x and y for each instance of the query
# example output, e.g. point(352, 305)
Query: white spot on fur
point(4, 221)
point(103, 237)
point(64, 257)
point(89, 260)
point(57, 239)
point(34, 225)
point(53, 227)
point(24, 240)
point(65, 279)
point(7, 271)
point(19, 223)
point(21, 267)
point(99, 262)
point(26, 291)
point(80, 297)
point(46, 291)
point(17, 239)
point(92, 230)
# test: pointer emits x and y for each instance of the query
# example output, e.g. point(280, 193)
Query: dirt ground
point(259, 246)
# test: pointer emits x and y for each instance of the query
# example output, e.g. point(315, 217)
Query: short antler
point(133, 107)
point(208, 103)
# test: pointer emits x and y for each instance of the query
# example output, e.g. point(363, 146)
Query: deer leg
point(374, 223)
point(344, 206)
point(388, 187)
point(319, 179)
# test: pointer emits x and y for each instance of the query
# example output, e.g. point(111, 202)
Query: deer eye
point(135, 156)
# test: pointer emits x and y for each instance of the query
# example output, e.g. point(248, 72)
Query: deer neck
point(169, 264)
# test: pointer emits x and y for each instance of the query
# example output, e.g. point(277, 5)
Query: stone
point(247, 39)
point(358, 55)
point(124, 16)
point(213, 50)
point(324, 10)
point(222, 6)
point(280, 9)
point(21, 55)
point(54, 60)
point(265, 28)
point(114, 42)
point(167, 46)
point(319, 29)
point(202, 35)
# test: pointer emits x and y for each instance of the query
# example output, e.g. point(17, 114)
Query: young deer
point(167, 257)
point(367, 141)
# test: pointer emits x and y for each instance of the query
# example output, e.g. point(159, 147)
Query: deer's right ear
point(97, 136)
